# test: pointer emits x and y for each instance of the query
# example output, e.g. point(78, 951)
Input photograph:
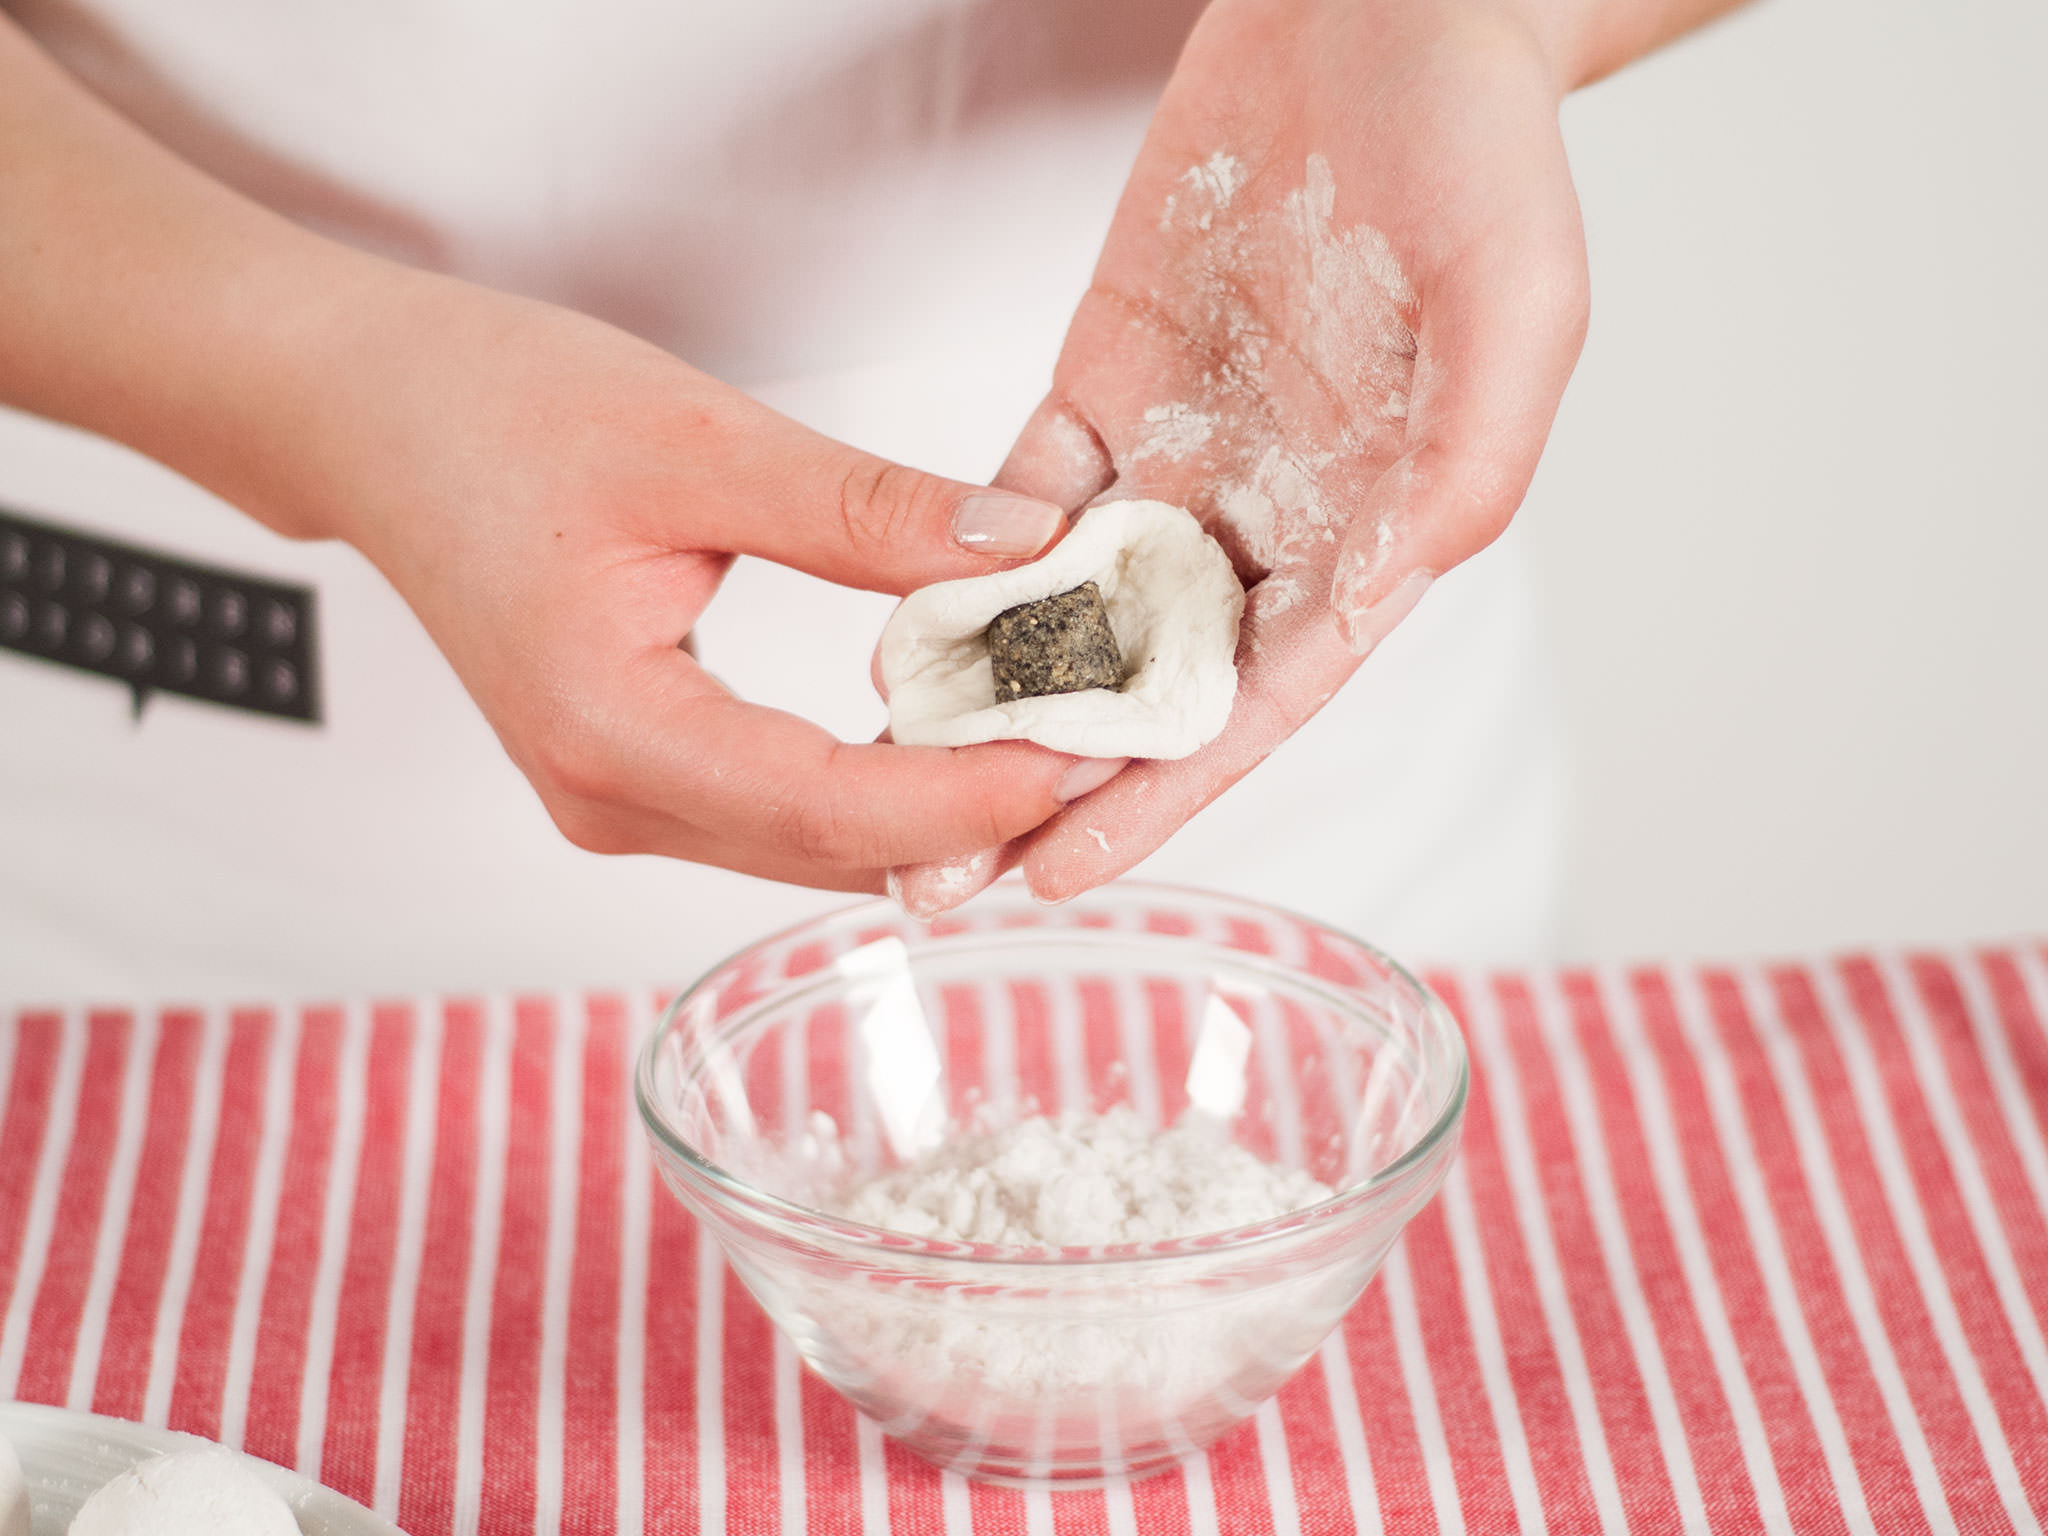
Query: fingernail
point(1367, 625)
point(1005, 526)
point(1090, 774)
point(1031, 885)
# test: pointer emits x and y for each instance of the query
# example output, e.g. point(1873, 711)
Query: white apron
point(876, 217)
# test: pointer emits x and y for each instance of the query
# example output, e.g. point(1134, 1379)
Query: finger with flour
point(1500, 333)
point(1288, 669)
point(926, 890)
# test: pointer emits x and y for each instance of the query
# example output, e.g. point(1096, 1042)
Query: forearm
point(145, 302)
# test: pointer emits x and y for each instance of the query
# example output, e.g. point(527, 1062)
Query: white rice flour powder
point(1105, 1342)
point(1080, 1181)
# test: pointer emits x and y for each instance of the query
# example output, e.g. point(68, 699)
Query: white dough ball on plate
point(13, 1493)
point(204, 1492)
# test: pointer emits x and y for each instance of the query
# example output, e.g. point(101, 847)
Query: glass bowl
point(850, 1045)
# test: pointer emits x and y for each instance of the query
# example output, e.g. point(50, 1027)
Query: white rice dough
point(201, 1492)
point(1173, 604)
point(13, 1492)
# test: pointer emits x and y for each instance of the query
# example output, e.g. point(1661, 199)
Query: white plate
point(66, 1456)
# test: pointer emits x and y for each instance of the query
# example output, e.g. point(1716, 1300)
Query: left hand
point(1337, 308)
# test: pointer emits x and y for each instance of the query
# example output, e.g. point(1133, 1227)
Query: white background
point(1792, 524)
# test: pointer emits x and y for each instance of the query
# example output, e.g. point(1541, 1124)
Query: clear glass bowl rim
point(882, 1245)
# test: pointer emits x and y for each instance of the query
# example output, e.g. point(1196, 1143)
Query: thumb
point(1058, 456)
point(863, 521)
point(1495, 349)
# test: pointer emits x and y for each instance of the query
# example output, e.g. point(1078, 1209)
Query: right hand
point(556, 500)
point(559, 501)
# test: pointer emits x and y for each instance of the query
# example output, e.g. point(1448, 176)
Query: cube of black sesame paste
point(1059, 644)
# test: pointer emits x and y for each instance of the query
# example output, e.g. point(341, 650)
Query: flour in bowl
point(1082, 1181)
point(1023, 1351)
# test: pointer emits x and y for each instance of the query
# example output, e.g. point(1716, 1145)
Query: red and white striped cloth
point(1728, 1251)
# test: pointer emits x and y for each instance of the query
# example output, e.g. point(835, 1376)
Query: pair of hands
point(1341, 298)
point(1334, 315)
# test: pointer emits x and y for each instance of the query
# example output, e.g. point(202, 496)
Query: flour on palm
point(1307, 400)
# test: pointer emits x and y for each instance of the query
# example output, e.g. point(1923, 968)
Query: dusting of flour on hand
point(956, 876)
point(1219, 177)
point(1082, 1181)
point(1307, 399)
point(1215, 182)
point(1177, 430)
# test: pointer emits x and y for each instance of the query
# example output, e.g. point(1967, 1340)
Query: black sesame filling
point(1059, 644)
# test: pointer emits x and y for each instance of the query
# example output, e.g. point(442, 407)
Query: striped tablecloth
point(1727, 1250)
